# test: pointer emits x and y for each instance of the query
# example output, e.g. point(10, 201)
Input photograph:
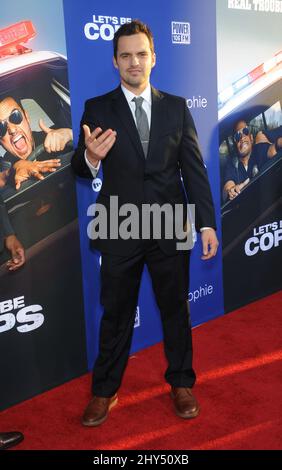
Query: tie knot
point(138, 101)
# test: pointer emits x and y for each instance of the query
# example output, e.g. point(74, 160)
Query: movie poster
point(42, 337)
point(249, 44)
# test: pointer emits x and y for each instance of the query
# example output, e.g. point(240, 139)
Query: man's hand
point(235, 190)
point(56, 139)
point(275, 148)
point(26, 169)
point(98, 143)
point(209, 242)
point(17, 252)
point(279, 142)
point(4, 177)
point(261, 138)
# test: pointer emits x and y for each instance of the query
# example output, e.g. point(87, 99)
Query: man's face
point(134, 60)
point(18, 138)
point(244, 144)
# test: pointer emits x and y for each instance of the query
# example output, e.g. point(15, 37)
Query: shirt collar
point(146, 94)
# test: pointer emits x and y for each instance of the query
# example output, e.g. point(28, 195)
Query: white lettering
point(103, 27)
point(29, 316)
point(248, 248)
point(19, 302)
point(89, 34)
point(266, 242)
point(32, 321)
point(197, 102)
point(202, 291)
point(107, 32)
point(6, 306)
point(9, 322)
point(239, 4)
point(264, 6)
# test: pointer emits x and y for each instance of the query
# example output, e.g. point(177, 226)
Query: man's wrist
point(94, 170)
point(9, 235)
point(8, 239)
point(91, 159)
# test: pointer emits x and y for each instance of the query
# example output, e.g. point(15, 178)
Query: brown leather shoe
point(9, 439)
point(185, 404)
point(97, 410)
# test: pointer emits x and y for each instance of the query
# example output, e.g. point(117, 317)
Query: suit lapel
point(157, 117)
point(122, 110)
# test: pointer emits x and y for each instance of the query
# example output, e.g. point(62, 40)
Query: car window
point(36, 112)
point(273, 116)
point(257, 124)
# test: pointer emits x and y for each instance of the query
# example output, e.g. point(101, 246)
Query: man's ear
point(154, 60)
point(115, 62)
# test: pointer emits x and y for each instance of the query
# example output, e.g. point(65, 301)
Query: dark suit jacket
point(173, 151)
point(5, 226)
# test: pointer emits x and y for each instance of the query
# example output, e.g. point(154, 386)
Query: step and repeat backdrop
point(185, 43)
point(54, 57)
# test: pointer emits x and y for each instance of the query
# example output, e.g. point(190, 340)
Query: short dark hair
point(237, 122)
point(16, 99)
point(134, 27)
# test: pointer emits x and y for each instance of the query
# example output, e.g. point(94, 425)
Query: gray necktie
point(142, 123)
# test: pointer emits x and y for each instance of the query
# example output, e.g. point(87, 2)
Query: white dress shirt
point(146, 105)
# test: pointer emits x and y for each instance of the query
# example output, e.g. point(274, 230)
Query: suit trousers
point(120, 282)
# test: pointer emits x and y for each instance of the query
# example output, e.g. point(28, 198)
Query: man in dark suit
point(146, 141)
point(10, 241)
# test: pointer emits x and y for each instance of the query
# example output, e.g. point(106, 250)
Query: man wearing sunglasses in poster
point(19, 142)
point(252, 155)
point(9, 241)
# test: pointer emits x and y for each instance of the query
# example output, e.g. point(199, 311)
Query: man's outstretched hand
point(25, 169)
point(98, 143)
point(209, 242)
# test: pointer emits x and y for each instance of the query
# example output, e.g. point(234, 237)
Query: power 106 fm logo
point(103, 27)
point(180, 32)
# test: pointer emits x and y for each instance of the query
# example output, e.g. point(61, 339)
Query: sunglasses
point(15, 117)
point(238, 134)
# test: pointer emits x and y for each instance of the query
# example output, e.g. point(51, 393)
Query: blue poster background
point(187, 70)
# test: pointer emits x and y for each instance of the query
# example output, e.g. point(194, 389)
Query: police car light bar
point(242, 83)
point(279, 57)
point(13, 37)
point(251, 77)
point(256, 73)
point(269, 65)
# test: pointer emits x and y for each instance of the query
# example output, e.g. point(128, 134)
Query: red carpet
point(238, 362)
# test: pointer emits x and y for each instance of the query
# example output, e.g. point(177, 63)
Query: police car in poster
point(250, 138)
